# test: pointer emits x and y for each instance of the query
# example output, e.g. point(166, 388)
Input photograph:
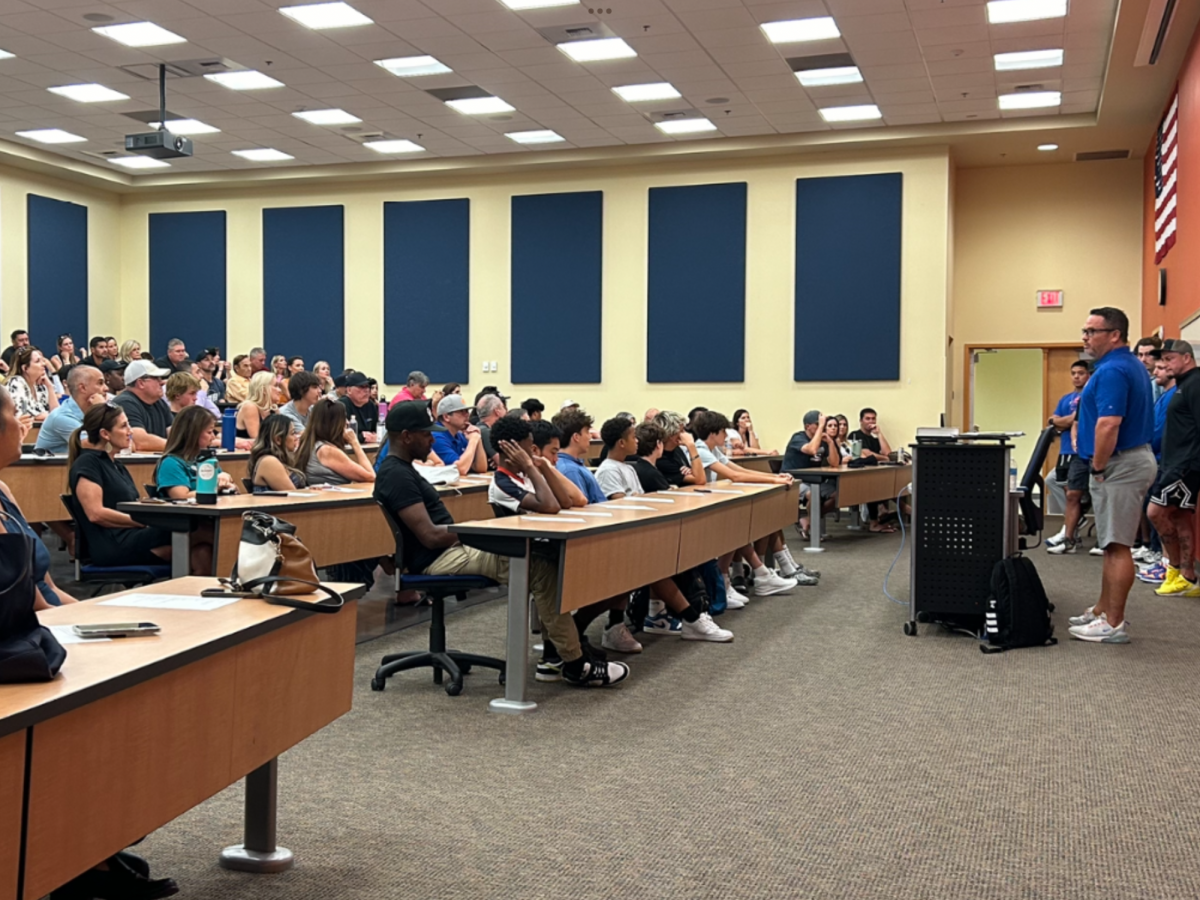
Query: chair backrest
point(776, 465)
point(397, 534)
point(82, 556)
point(1034, 512)
point(151, 490)
point(248, 485)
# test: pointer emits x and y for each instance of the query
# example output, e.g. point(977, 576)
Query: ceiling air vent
point(668, 115)
point(186, 68)
point(103, 154)
point(1159, 16)
point(583, 31)
point(1096, 155)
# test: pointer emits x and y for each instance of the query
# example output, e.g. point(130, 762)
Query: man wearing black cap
point(113, 371)
point(430, 548)
point(812, 448)
point(360, 408)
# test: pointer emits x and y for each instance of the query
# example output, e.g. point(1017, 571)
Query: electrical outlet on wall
point(485, 365)
point(494, 366)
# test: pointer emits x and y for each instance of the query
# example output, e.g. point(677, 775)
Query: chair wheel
point(503, 679)
point(378, 684)
point(454, 688)
point(910, 628)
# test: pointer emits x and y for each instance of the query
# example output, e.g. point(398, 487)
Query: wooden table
point(135, 732)
point(32, 436)
point(335, 526)
point(854, 486)
point(770, 463)
point(617, 549)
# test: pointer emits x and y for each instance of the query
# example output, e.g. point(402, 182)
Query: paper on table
point(334, 489)
point(66, 635)
point(654, 500)
point(581, 512)
point(554, 519)
point(630, 506)
point(170, 601)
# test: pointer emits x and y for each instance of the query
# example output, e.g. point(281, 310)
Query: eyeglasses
point(1092, 332)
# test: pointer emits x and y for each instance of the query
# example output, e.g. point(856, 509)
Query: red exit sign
point(1049, 299)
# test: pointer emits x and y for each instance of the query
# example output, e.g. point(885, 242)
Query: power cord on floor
point(903, 537)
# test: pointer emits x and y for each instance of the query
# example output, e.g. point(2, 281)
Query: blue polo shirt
point(1066, 407)
point(1118, 387)
point(581, 476)
point(449, 447)
point(58, 427)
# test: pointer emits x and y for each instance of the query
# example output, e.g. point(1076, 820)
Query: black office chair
point(437, 657)
point(87, 572)
point(1033, 514)
point(248, 485)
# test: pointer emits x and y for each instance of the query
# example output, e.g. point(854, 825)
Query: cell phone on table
point(116, 629)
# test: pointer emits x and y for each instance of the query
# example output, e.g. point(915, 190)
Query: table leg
point(816, 520)
point(855, 519)
point(259, 853)
point(181, 554)
point(517, 664)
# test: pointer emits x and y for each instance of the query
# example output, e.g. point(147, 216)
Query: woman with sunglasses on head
point(66, 356)
point(30, 384)
point(272, 464)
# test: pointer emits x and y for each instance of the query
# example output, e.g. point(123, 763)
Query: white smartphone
point(116, 629)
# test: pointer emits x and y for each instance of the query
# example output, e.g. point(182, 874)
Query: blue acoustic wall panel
point(187, 281)
point(427, 289)
point(557, 245)
point(696, 288)
point(848, 233)
point(304, 284)
point(57, 272)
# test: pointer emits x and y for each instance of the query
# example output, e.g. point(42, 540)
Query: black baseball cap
point(112, 365)
point(340, 381)
point(357, 379)
point(411, 415)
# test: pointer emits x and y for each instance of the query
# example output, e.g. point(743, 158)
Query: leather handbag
point(28, 650)
point(272, 563)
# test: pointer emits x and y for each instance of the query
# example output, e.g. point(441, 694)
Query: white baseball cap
point(141, 368)
point(567, 403)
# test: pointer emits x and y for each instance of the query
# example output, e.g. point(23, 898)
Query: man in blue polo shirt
point(1116, 424)
point(461, 444)
point(576, 428)
point(1071, 472)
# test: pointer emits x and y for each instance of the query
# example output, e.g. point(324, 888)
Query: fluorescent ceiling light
point(826, 77)
point(327, 117)
point(479, 106)
point(792, 31)
point(326, 15)
point(685, 126)
point(535, 137)
point(1030, 100)
point(1047, 147)
point(1028, 59)
point(537, 4)
point(139, 162)
point(140, 34)
point(187, 126)
point(635, 93)
point(850, 113)
point(244, 80)
point(1001, 11)
point(412, 66)
point(597, 50)
point(51, 136)
point(263, 154)
point(394, 146)
point(88, 93)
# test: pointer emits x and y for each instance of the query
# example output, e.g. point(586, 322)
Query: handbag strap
point(322, 606)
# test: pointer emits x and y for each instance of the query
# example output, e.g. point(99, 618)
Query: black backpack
point(1018, 612)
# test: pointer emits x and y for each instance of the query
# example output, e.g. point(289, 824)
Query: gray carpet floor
point(821, 754)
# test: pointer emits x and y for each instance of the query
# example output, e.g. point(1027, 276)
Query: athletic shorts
point(1077, 475)
point(1175, 487)
point(828, 489)
point(1117, 500)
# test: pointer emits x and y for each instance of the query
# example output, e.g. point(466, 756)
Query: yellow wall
point(1020, 229)
point(776, 402)
point(1008, 397)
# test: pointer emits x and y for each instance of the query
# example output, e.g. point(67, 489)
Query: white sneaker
point(771, 583)
point(617, 638)
point(786, 567)
point(1096, 551)
point(1150, 560)
point(734, 599)
point(705, 629)
point(1086, 618)
point(1100, 632)
point(1058, 538)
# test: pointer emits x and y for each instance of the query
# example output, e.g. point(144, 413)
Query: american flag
point(1166, 154)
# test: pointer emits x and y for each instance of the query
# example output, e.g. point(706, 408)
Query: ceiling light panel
point(860, 113)
point(413, 66)
point(1002, 11)
point(140, 34)
point(537, 4)
point(637, 93)
point(827, 77)
point(187, 127)
point(327, 116)
point(51, 136)
point(479, 106)
point(1028, 59)
point(791, 31)
point(326, 15)
point(535, 137)
point(263, 154)
point(597, 50)
point(398, 146)
point(1030, 100)
point(139, 162)
point(685, 126)
point(244, 80)
point(88, 93)
point(1046, 148)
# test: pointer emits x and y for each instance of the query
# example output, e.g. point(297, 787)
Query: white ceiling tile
point(961, 34)
point(884, 73)
point(949, 16)
point(915, 119)
point(960, 66)
point(841, 8)
point(903, 97)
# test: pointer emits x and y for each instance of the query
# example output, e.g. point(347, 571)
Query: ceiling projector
point(159, 144)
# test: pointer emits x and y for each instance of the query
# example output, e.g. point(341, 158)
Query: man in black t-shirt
point(149, 414)
point(680, 462)
point(360, 408)
point(874, 446)
point(649, 451)
point(432, 549)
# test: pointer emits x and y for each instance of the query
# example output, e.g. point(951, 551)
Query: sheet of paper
point(582, 512)
point(554, 519)
point(300, 493)
point(642, 499)
point(719, 491)
point(170, 601)
point(66, 635)
point(336, 489)
point(630, 506)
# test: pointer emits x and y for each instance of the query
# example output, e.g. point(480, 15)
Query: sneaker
point(597, 674)
point(548, 669)
point(1154, 575)
point(1096, 551)
point(1058, 538)
point(617, 637)
point(734, 599)
point(1086, 618)
point(1190, 588)
point(1066, 545)
point(1139, 553)
point(1100, 632)
point(663, 624)
point(705, 629)
point(786, 567)
point(765, 586)
point(1151, 560)
point(806, 579)
point(1173, 583)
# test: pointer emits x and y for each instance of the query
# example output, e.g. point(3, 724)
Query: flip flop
point(885, 529)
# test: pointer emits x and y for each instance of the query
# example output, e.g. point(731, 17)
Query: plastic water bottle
point(229, 429)
point(383, 408)
point(207, 471)
point(1012, 478)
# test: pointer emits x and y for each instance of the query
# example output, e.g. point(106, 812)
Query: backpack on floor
point(1018, 611)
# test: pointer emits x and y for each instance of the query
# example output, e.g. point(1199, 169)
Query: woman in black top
point(99, 483)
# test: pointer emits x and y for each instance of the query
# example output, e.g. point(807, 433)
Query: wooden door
point(1056, 382)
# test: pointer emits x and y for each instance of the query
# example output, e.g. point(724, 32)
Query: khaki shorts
point(1117, 500)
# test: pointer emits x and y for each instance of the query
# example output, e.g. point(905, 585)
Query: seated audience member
point(693, 413)
point(111, 349)
point(321, 370)
point(321, 457)
point(519, 413)
point(491, 407)
point(272, 464)
point(743, 432)
point(130, 350)
point(458, 443)
point(546, 438)
point(831, 432)
point(874, 446)
point(432, 549)
point(238, 385)
point(360, 408)
point(617, 478)
point(30, 385)
point(680, 463)
point(176, 358)
point(650, 414)
point(645, 463)
point(66, 356)
point(182, 390)
point(259, 404)
point(305, 390)
point(294, 364)
point(85, 388)
point(113, 373)
point(575, 427)
point(99, 483)
point(208, 369)
point(98, 348)
point(20, 340)
point(149, 414)
point(535, 408)
point(813, 448)
point(415, 387)
point(279, 370)
point(177, 472)
point(258, 361)
point(843, 438)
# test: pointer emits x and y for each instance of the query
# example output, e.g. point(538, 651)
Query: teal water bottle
point(207, 471)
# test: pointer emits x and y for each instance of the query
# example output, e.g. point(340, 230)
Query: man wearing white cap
point(461, 444)
point(149, 414)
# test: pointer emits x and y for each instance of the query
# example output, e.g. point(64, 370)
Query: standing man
point(1147, 353)
point(1116, 423)
point(1154, 570)
point(1071, 471)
